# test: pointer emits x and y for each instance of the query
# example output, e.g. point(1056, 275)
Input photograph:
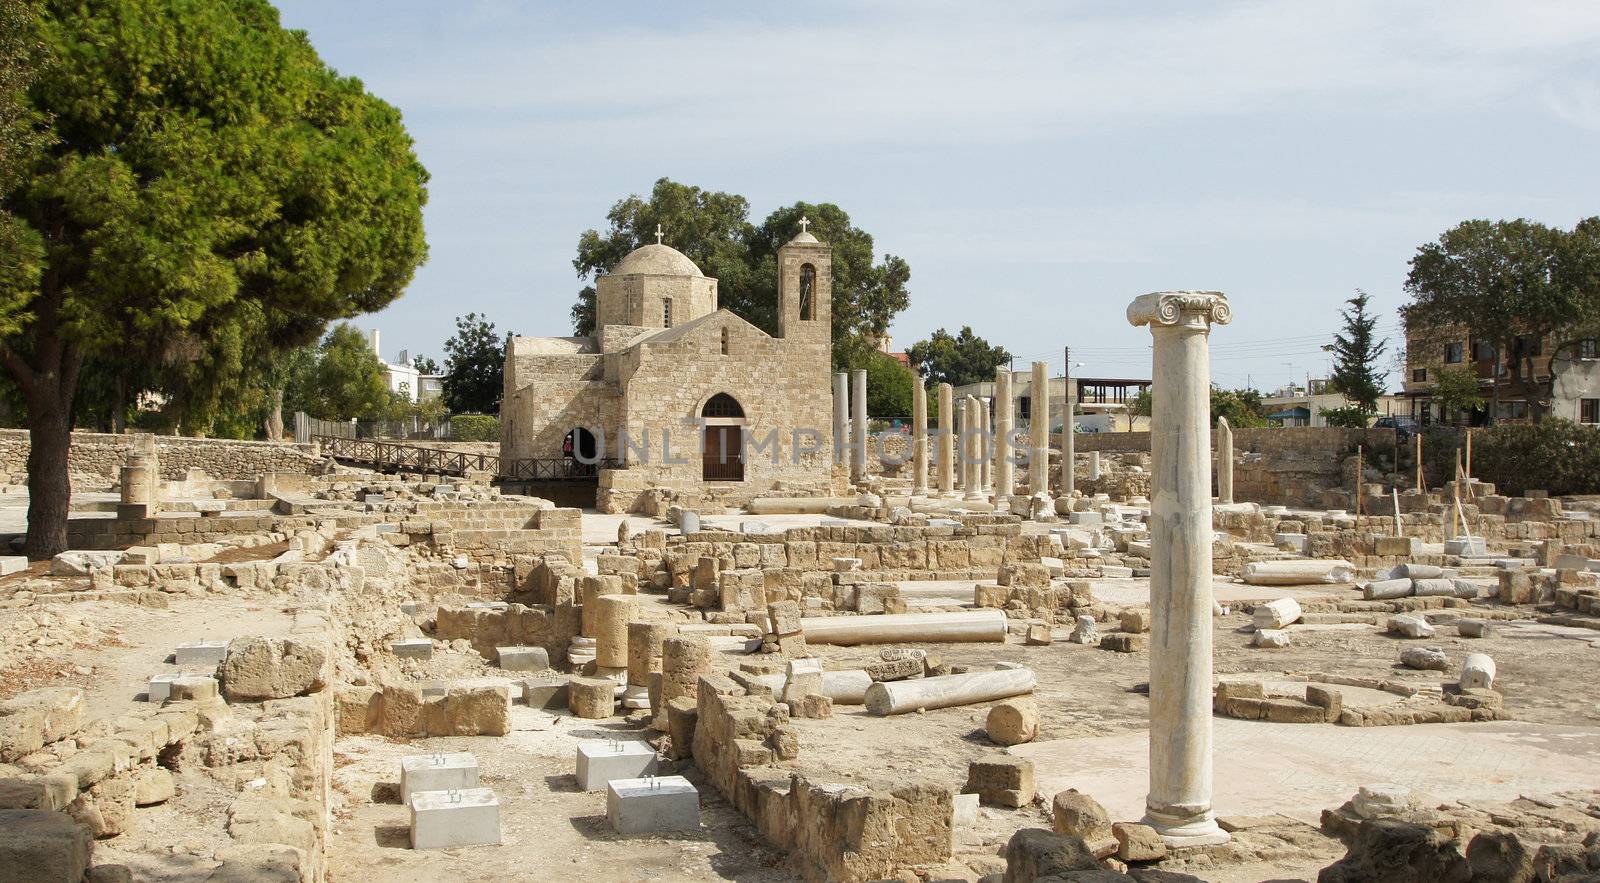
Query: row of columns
point(1178, 804)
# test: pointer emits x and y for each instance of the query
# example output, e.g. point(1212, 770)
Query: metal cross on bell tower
point(658, 234)
point(805, 223)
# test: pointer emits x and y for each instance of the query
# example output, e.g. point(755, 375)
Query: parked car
point(1404, 427)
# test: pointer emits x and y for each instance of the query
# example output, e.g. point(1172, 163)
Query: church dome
point(656, 260)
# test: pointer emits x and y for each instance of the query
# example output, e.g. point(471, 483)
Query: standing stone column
point(841, 417)
point(1004, 474)
point(858, 438)
point(919, 439)
point(1224, 461)
point(1069, 444)
point(947, 440)
point(1094, 465)
point(612, 613)
point(1179, 802)
point(684, 659)
point(971, 447)
point(984, 447)
point(1039, 430)
point(644, 659)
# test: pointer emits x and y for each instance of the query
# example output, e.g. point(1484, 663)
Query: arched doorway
point(580, 452)
point(723, 452)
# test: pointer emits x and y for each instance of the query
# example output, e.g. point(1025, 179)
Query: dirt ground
point(553, 831)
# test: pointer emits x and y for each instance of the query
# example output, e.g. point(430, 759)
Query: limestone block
point(479, 710)
point(1135, 619)
point(1270, 638)
point(1038, 854)
point(1410, 625)
point(546, 692)
point(443, 771)
point(10, 564)
point(1425, 658)
point(1276, 614)
point(1013, 721)
point(1381, 799)
point(592, 698)
point(1078, 815)
point(40, 845)
point(450, 819)
point(1474, 628)
point(78, 562)
point(153, 785)
point(523, 658)
point(1402, 547)
point(1001, 780)
point(1138, 843)
point(990, 596)
point(644, 805)
point(1477, 672)
point(1085, 631)
point(1038, 635)
point(1122, 642)
point(256, 668)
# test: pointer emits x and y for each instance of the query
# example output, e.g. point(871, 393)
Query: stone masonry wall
point(102, 454)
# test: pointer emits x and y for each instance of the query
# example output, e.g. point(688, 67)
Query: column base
point(1179, 831)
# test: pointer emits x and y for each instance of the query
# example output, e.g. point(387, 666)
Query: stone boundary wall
point(99, 453)
point(1289, 466)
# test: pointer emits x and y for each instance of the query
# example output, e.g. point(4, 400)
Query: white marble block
point(666, 803)
point(161, 686)
point(200, 653)
point(10, 564)
point(601, 761)
point(1477, 673)
point(455, 771)
point(448, 819)
point(412, 648)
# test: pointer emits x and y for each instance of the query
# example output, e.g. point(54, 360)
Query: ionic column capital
point(1197, 310)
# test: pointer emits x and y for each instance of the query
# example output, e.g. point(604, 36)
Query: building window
point(808, 285)
point(1589, 411)
point(1482, 350)
point(1525, 347)
point(1419, 375)
point(1589, 348)
point(724, 341)
point(666, 312)
point(722, 405)
point(1453, 353)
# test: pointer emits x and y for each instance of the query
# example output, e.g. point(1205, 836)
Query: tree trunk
point(274, 423)
point(119, 403)
point(1494, 386)
point(49, 485)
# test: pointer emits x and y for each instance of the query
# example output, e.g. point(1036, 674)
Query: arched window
point(666, 313)
point(808, 286)
point(722, 405)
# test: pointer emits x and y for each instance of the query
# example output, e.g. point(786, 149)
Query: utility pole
point(1069, 444)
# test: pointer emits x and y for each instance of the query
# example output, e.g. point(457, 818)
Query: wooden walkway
point(388, 456)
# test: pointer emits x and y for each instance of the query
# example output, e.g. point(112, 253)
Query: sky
point(1038, 164)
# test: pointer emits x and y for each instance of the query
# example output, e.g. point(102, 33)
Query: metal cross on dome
point(805, 222)
point(658, 234)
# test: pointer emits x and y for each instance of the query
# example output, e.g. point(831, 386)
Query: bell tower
point(805, 288)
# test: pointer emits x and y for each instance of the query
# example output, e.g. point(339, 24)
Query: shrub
point(475, 427)
point(1553, 455)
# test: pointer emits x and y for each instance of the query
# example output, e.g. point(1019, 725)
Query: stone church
point(672, 393)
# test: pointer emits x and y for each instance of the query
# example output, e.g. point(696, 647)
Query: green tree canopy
point(1242, 407)
point(713, 229)
point(959, 360)
point(211, 190)
point(889, 387)
point(474, 367)
point(1504, 280)
point(338, 379)
point(1456, 388)
point(1356, 351)
point(425, 365)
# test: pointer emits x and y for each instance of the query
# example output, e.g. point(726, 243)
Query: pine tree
point(1356, 351)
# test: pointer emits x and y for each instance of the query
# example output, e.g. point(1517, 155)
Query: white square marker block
point(10, 564)
point(161, 686)
point(600, 762)
point(447, 819)
point(639, 806)
point(200, 653)
point(413, 648)
point(455, 771)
